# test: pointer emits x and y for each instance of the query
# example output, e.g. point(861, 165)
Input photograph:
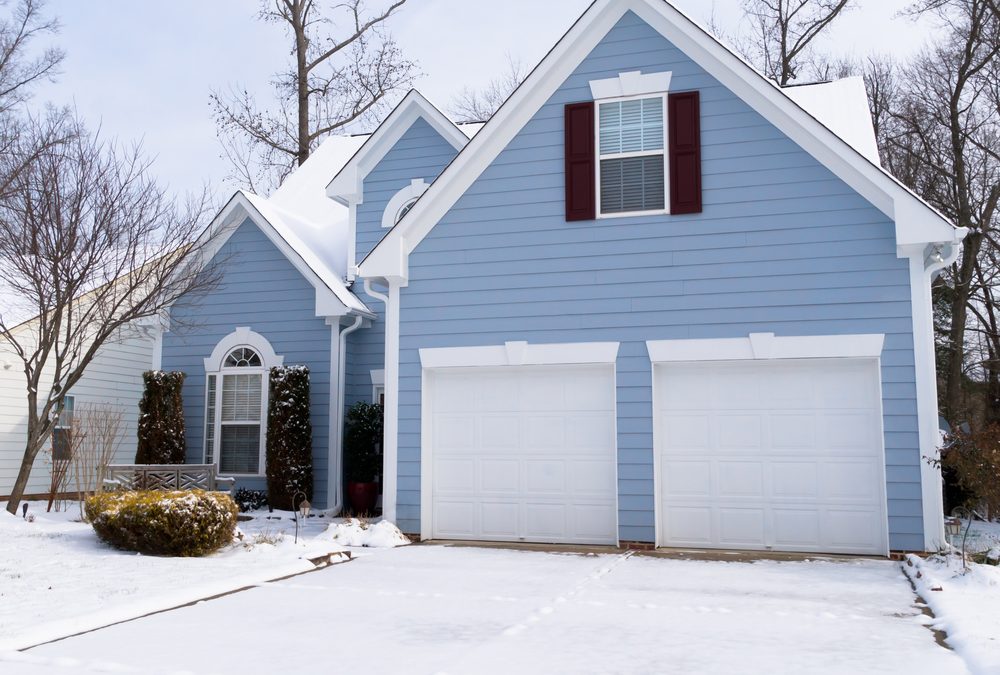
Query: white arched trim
point(243, 337)
point(401, 199)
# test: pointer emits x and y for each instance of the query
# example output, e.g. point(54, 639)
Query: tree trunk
point(954, 404)
point(30, 453)
point(302, 83)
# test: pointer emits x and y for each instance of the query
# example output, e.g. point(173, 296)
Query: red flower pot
point(363, 497)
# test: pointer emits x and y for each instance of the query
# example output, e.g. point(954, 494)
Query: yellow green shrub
point(180, 523)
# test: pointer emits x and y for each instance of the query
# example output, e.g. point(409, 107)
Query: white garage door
point(771, 455)
point(523, 454)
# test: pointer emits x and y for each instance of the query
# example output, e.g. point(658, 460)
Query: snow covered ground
point(57, 578)
point(442, 609)
point(966, 605)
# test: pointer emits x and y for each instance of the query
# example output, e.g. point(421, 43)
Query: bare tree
point(943, 140)
point(20, 68)
point(345, 69)
point(96, 429)
point(92, 245)
point(783, 36)
point(478, 106)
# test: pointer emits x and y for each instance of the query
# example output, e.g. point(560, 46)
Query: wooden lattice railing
point(167, 477)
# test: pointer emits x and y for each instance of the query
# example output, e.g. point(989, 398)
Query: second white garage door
point(779, 455)
point(523, 453)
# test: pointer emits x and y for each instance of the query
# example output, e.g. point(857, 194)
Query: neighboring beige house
point(114, 376)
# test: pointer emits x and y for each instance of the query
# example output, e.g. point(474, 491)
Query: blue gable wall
point(782, 246)
point(421, 152)
point(259, 288)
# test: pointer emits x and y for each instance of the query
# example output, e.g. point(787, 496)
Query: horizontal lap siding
point(782, 246)
point(261, 289)
point(114, 376)
point(421, 152)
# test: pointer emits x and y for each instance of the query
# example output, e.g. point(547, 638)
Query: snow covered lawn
point(458, 610)
point(57, 578)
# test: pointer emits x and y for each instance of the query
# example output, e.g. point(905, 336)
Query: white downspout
point(391, 397)
point(337, 473)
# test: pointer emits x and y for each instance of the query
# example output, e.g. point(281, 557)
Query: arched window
point(406, 209)
point(236, 402)
point(401, 202)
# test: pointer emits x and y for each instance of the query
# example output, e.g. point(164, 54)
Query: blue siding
point(782, 246)
point(259, 288)
point(421, 152)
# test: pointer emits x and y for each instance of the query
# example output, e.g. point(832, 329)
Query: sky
point(143, 71)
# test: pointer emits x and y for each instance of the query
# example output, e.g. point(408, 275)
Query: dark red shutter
point(581, 198)
point(685, 152)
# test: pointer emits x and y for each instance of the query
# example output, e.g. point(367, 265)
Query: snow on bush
point(357, 532)
point(181, 523)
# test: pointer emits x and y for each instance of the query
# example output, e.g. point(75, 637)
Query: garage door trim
point(764, 347)
point(509, 354)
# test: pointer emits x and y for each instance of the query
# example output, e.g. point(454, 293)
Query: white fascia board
point(347, 187)
point(520, 354)
point(913, 218)
point(765, 346)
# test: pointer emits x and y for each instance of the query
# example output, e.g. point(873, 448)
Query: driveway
point(459, 611)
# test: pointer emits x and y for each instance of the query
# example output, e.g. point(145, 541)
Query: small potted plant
point(363, 456)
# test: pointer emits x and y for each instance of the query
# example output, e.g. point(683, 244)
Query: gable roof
point(917, 224)
point(283, 229)
point(348, 184)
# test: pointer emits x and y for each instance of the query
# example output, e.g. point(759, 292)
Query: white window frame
point(405, 197)
point(626, 155)
point(59, 425)
point(215, 365)
point(378, 385)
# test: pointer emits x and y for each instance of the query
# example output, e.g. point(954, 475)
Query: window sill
point(633, 214)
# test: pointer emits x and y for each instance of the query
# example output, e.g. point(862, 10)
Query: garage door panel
point(542, 446)
point(741, 479)
point(689, 525)
point(689, 389)
point(792, 431)
point(739, 528)
point(499, 476)
point(686, 432)
point(784, 455)
point(686, 478)
point(499, 520)
point(740, 431)
point(546, 477)
point(795, 480)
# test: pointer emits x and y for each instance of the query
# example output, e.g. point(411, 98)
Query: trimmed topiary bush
point(363, 442)
point(161, 419)
point(182, 523)
point(289, 437)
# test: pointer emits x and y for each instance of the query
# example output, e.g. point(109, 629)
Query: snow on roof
point(842, 106)
point(320, 222)
point(302, 236)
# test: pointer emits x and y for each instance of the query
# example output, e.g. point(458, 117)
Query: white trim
point(215, 365)
point(348, 185)
point(378, 384)
point(923, 265)
point(242, 337)
point(632, 83)
point(334, 501)
point(766, 346)
point(390, 446)
point(520, 354)
point(658, 435)
point(662, 152)
point(915, 220)
point(408, 194)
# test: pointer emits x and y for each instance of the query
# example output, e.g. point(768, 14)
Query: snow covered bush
point(181, 523)
point(289, 437)
point(161, 419)
point(249, 500)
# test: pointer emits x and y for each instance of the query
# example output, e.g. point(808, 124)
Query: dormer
point(392, 169)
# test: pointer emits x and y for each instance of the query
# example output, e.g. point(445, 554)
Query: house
point(113, 377)
point(655, 299)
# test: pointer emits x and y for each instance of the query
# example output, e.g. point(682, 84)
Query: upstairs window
point(62, 446)
point(631, 155)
